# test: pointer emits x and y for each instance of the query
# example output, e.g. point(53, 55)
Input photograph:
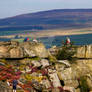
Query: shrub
point(35, 58)
point(52, 59)
point(66, 53)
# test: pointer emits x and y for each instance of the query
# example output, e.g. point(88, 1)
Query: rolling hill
point(52, 19)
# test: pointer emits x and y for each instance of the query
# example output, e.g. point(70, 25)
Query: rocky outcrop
point(21, 50)
point(4, 87)
point(84, 51)
point(4, 52)
point(71, 75)
point(16, 52)
point(35, 68)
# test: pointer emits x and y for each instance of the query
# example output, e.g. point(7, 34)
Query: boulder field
point(38, 70)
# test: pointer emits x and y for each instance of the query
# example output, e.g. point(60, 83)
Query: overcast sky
point(10, 8)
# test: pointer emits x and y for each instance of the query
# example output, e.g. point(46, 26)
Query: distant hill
point(52, 19)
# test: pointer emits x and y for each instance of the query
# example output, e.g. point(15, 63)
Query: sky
point(10, 8)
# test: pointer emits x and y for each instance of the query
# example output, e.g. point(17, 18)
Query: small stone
point(44, 62)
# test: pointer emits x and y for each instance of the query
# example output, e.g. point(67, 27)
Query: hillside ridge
point(51, 19)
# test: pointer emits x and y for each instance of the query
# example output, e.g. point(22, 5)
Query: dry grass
point(51, 33)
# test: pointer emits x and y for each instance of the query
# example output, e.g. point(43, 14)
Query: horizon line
point(48, 10)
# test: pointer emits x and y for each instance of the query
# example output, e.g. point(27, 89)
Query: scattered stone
point(44, 62)
point(64, 62)
point(70, 89)
point(33, 70)
point(36, 63)
point(54, 78)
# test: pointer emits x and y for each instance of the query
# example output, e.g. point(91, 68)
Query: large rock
point(5, 43)
point(34, 49)
point(69, 77)
point(22, 50)
point(36, 63)
point(16, 52)
point(54, 77)
point(89, 81)
point(46, 83)
point(84, 51)
point(4, 52)
point(4, 87)
point(44, 62)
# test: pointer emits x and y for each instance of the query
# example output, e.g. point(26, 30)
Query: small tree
point(66, 52)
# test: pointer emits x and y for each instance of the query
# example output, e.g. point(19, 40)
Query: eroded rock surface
point(41, 74)
point(22, 50)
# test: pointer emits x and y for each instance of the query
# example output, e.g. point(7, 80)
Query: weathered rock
point(68, 88)
point(62, 71)
point(84, 51)
point(36, 63)
point(55, 90)
point(64, 62)
point(16, 53)
point(54, 50)
point(69, 77)
point(22, 50)
point(44, 62)
point(68, 74)
point(81, 68)
point(36, 85)
point(72, 83)
point(88, 63)
point(81, 52)
point(29, 53)
point(4, 52)
point(54, 78)
point(41, 51)
point(89, 82)
point(46, 83)
point(14, 43)
point(5, 43)
point(35, 49)
point(4, 87)
point(77, 90)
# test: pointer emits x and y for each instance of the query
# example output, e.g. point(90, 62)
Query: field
point(45, 33)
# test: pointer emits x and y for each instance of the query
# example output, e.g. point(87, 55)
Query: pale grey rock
point(54, 78)
point(36, 63)
point(44, 62)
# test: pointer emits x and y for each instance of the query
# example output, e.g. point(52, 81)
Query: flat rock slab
point(22, 50)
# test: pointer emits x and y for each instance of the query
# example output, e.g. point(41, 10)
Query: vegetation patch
point(66, 53)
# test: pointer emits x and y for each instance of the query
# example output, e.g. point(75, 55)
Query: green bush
point(66, 53)
point(52, 59)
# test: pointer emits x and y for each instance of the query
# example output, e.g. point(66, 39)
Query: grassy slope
point(51, 33)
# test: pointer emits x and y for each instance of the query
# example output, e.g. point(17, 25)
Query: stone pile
point(22, 50)
point(40, 74)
